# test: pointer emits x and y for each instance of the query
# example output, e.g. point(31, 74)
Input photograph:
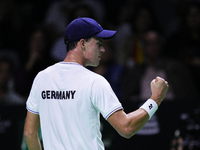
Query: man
point(66, 98)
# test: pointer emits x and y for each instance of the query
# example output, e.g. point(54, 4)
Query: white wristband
point(150, 106)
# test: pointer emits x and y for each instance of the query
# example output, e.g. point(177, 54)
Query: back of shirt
point(68, 99)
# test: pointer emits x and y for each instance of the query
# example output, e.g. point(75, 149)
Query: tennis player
point(66, 99)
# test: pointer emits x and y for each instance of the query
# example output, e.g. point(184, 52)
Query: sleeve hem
point(35, 112)
point(111, 112)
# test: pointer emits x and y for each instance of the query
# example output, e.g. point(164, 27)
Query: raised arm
point(129, 124)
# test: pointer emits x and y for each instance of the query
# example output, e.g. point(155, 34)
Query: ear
point(82, 43)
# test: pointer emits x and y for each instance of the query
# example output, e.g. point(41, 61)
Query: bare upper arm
point(118, 121)
point(32, 123)
point(128, 124)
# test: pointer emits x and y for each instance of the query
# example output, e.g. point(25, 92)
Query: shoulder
point(50, 69)
point(88, 72)
point(94, 79)
point(47, 72)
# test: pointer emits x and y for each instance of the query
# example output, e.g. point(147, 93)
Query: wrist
point(158, 102)
point(150, 106)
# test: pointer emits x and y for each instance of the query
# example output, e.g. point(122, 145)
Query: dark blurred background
point(154, 38)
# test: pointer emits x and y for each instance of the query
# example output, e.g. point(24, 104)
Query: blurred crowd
point(154, 38)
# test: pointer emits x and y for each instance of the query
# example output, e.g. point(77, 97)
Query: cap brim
point(106, 34)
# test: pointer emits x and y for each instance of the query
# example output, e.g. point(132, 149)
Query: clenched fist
point(159, 89)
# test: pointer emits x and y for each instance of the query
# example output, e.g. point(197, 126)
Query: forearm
point(33, 142)
point(136, 120)
point(129, 124)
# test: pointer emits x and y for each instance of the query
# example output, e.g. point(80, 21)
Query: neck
point(74, 56)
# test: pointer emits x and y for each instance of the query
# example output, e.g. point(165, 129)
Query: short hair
point(72, 45)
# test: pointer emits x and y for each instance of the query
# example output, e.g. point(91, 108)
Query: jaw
point(92, 61)
point(92, 64)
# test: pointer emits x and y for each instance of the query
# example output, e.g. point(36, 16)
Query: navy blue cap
point(82, 28)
